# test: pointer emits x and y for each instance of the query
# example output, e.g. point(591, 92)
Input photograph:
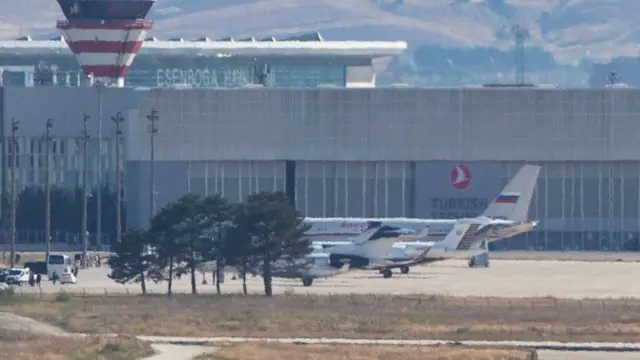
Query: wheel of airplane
point(386, 273)
point(307, 281)
point(404, 269)
point(471, 263)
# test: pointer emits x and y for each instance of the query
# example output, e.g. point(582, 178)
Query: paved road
point(585, 355)
point(542, 354)
point(567, 255)
point(550, 345)
point(178, 352)
point(508, 278)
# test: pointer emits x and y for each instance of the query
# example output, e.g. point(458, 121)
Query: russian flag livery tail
point(507, 198)
point(514, 200)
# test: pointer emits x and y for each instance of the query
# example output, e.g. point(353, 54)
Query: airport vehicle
point(18, 276)
point(67, 278)
point(58, 264)
point(37, 267)
point(511, 206)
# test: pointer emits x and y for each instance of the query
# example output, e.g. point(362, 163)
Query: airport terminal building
point(362, 152)
point(303, 61)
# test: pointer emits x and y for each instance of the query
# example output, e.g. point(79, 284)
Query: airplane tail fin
point(514, 200)
point(378, 248)
point(363, 237)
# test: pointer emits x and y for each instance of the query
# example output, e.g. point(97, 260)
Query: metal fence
point(27, 237)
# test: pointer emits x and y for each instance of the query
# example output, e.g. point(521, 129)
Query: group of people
point(4, 258)
point(35, 279)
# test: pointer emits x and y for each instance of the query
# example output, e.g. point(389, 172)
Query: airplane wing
point(507, 232)
point(419, 259)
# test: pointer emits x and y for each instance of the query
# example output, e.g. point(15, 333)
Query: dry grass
point(24, 346)
point(347, 316)
point(254, 351)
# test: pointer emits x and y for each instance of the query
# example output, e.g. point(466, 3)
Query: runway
point(504, 278)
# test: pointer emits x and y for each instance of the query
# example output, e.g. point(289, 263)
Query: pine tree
point(131, 262)
point(276, 231)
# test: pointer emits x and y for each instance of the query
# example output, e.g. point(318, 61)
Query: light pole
point(118, 119)
point(99, 194)
point(153, 130)
point(85, 189)
point(47, 190)
point(14, 157)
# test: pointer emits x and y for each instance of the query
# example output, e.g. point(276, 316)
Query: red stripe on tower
point(105, 35)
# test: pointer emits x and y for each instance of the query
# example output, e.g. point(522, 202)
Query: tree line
point(251, 236)
point(65, 202)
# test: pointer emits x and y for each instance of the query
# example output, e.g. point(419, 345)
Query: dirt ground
point(339, 316)
point(20, 345)
point(361, 352)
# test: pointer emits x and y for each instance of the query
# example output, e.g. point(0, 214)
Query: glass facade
point(197, 72)
point(322, 188)
point(65, 161)
point(584, 206)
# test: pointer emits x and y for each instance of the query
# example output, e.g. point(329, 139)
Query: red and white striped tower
point(105, 35)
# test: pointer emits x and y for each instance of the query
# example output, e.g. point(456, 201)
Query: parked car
point(18, 276)
point(67, 278)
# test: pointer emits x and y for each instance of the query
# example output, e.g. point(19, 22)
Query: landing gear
point(386, 273)
point(404, 269)
point(481, 260)
point(307, 281)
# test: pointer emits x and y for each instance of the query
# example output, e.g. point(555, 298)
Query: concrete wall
point(397, 124)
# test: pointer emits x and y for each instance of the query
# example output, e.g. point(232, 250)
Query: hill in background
point(449, 37)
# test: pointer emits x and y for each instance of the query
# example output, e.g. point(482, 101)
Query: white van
point(57, 264)
point(18, 276)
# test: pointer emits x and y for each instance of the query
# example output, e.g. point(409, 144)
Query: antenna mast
point(520, 35)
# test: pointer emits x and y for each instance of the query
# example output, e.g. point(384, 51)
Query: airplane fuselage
point(328, 230)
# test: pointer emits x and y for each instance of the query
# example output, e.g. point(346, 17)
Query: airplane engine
point(338, 260)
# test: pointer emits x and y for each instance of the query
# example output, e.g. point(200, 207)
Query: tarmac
point(577, 275)
point(504, 278)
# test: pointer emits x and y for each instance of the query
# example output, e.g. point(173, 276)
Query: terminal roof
point(302, 45)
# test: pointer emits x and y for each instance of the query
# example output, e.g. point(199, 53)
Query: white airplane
point(366, 251)
point(507, 214)
point(467, 239)
point(373, 243)
point(369, 251)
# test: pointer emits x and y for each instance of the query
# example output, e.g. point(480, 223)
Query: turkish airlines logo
point(460, 176)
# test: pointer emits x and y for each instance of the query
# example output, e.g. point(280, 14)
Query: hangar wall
point(397, 124)
point(361, 152)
